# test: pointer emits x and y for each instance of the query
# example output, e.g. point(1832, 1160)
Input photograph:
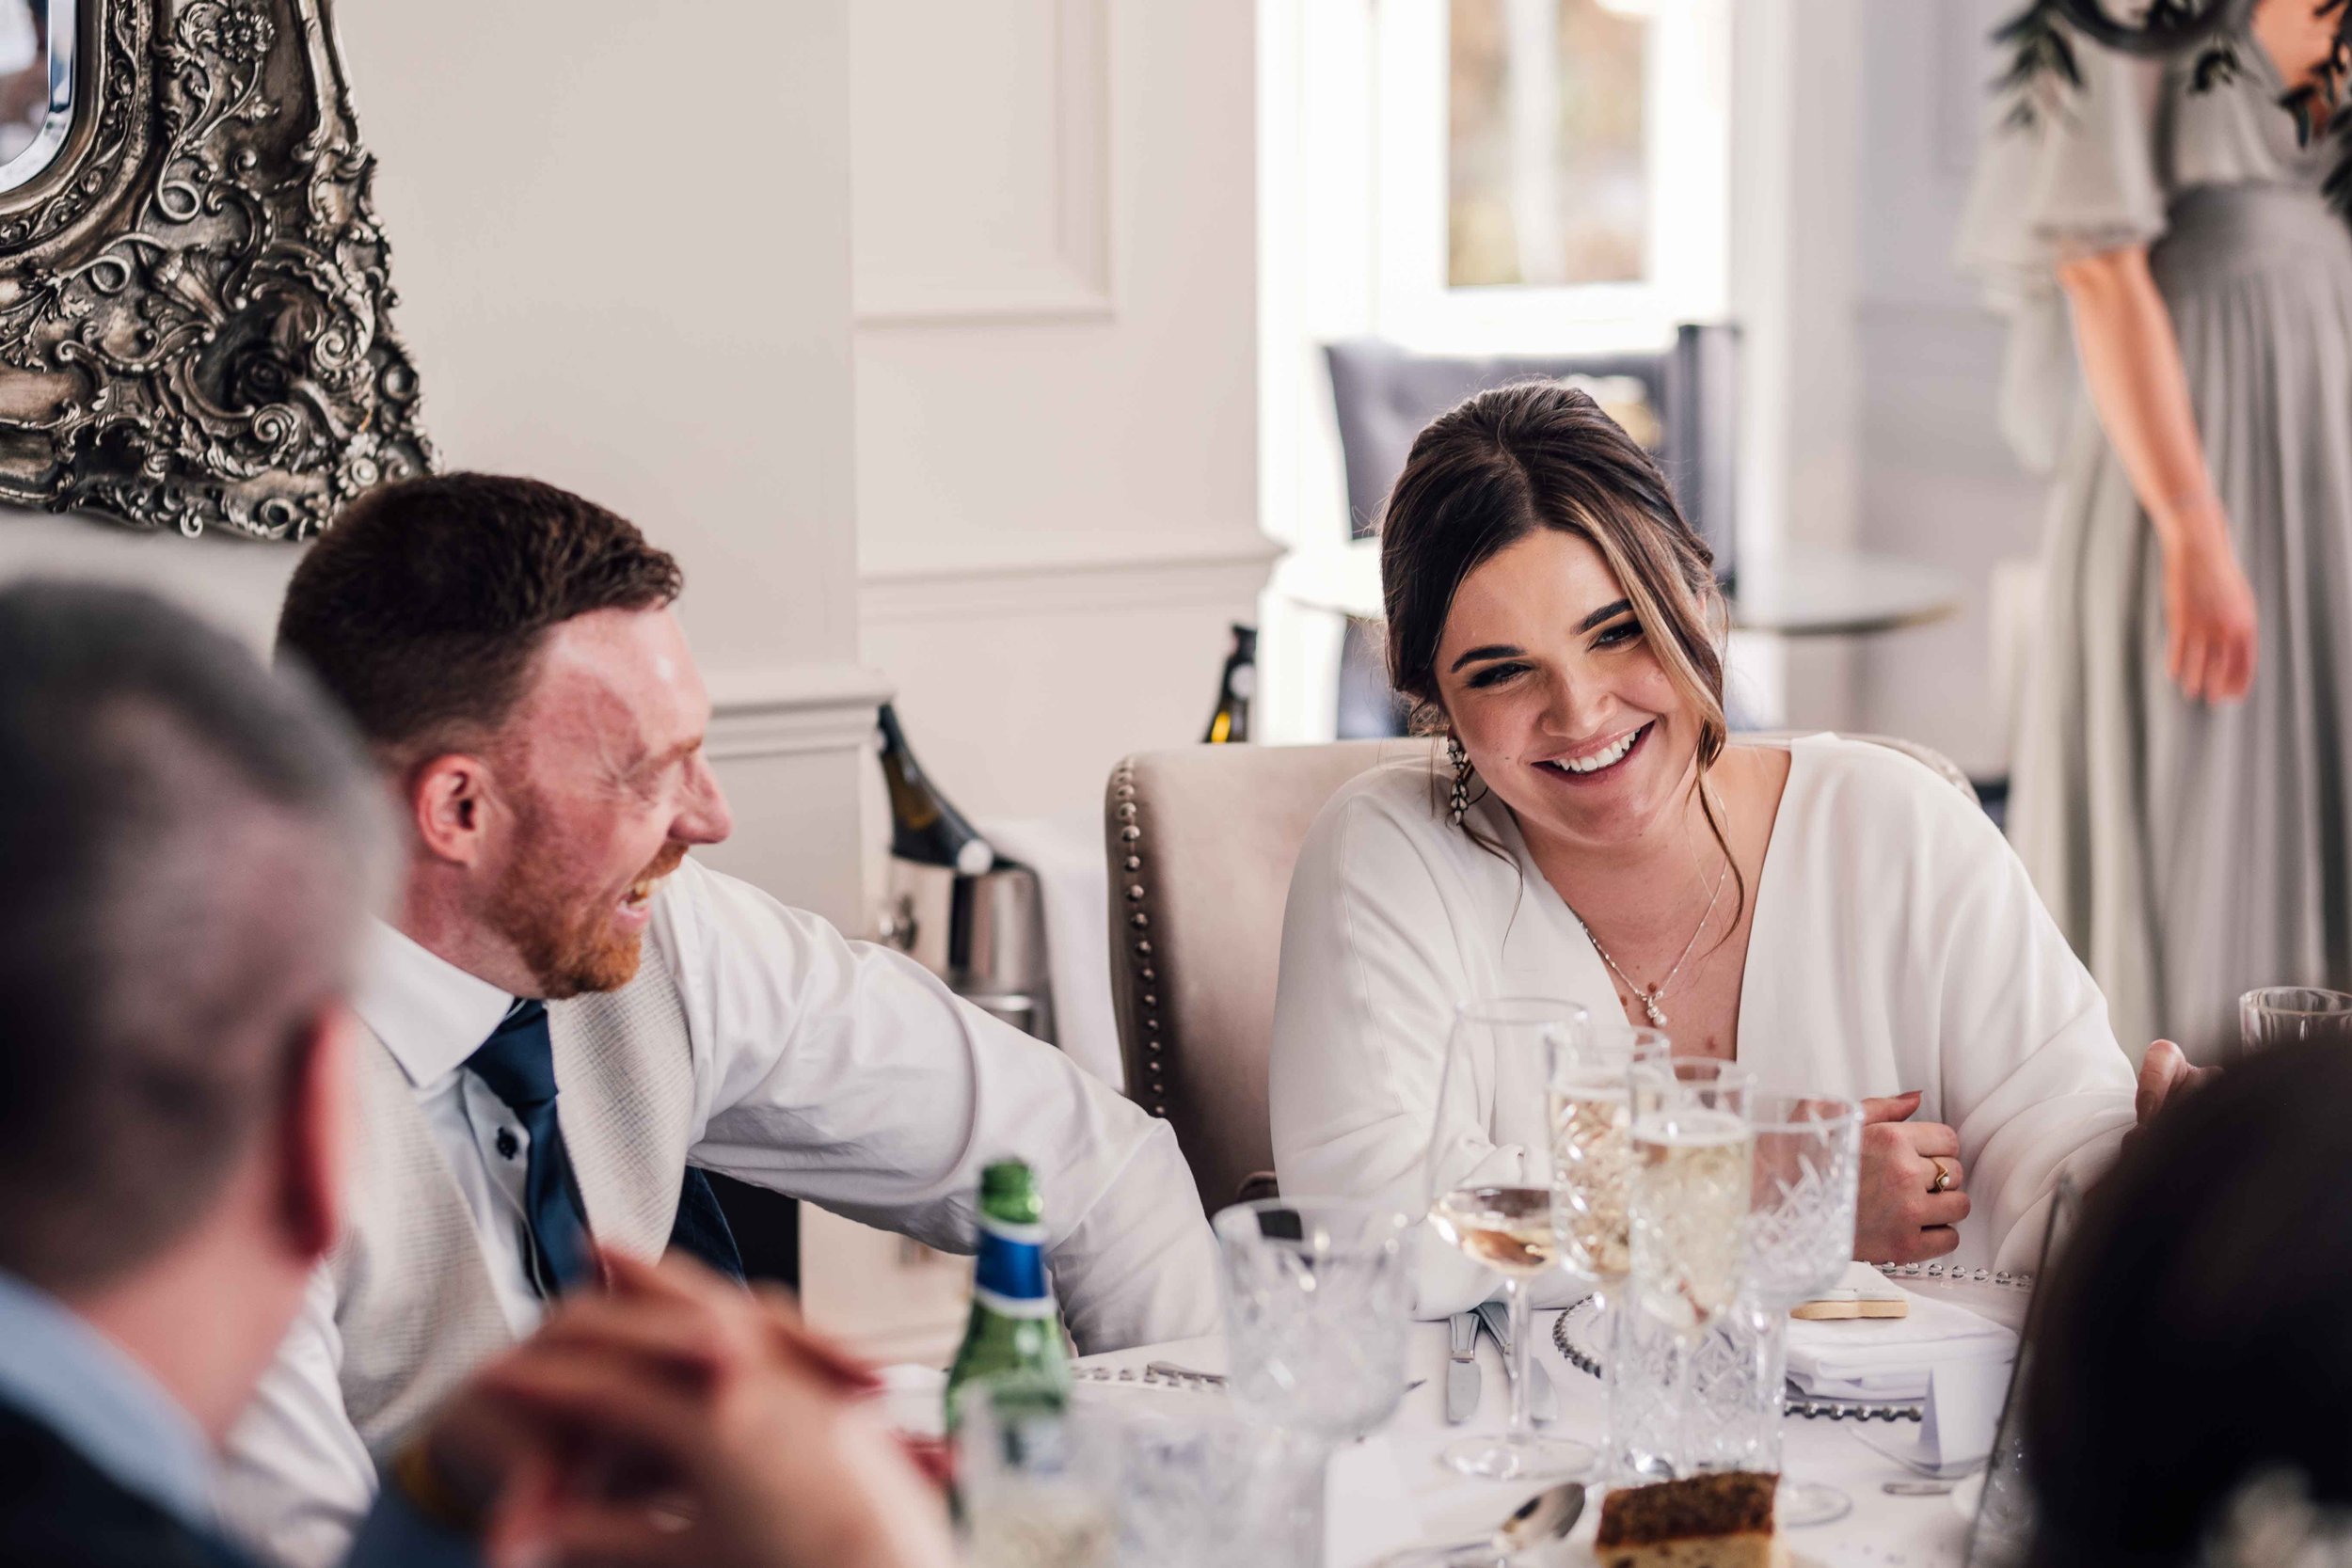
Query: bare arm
point(2131, 363)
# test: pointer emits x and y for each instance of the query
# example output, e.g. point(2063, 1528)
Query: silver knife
point(1543, 1400)
point(1461, 1372)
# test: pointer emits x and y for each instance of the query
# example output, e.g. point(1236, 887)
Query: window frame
point(1689, 62)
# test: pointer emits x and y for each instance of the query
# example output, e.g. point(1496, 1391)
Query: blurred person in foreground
point(567, 1017)
point(2185, 1405)
point(191, 849)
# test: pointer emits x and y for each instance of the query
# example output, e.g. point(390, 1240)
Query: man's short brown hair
point(423, 608)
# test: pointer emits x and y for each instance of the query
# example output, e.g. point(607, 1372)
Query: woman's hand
point(2164, 1075)
point(2209, 616)
point(1911, 1199)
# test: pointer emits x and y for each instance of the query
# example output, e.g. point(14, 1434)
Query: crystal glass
point(1181, 1484)
point(1318, 1315)
point(1801, 1225)
point(1490, 1188)
point(1693, 1160)
point(2282, 1014)
point(1683, 1404)
point(1038, 1482)
point(1687, 1216)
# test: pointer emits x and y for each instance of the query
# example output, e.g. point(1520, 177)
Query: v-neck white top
point(1896, 944)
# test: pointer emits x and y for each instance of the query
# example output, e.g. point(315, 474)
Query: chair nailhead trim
point(1131, 834)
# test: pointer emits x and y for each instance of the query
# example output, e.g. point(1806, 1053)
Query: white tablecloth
point(1383, 1501)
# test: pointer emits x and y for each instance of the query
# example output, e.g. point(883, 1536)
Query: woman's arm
point(2132, 364)
point(1372, 968)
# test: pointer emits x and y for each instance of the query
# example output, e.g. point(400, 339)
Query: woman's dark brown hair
point(1541, 454)
point(2197, 1332)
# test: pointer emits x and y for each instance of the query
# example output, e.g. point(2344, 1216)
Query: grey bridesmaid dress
point(2189, 853)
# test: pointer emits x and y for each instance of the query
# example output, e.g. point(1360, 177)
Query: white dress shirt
point(836, 1071)
point(1896, 945)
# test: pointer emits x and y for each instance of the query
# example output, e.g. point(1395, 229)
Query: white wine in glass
point(1489, 1182)
point(1507, 1229)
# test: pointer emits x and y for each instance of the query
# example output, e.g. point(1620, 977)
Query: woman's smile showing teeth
point(1597, 762)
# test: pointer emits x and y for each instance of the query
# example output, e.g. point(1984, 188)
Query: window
point(1545, 181)
point(1549, 175)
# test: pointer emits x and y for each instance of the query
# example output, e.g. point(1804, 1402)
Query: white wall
point(1936, 482)
point(1055, 379)
point(623, 266)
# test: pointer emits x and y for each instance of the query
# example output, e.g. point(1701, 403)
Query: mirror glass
point(36, 85)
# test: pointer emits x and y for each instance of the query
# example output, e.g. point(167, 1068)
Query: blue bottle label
point(1011, 1277)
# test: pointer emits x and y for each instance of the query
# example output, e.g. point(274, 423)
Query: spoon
point(1546, 1516)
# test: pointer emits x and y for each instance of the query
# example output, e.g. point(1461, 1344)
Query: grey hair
point(190, 845)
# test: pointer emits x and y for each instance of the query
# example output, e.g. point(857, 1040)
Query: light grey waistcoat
point(414, 1303)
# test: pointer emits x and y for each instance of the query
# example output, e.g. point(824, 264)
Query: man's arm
point(297, 1480)
point(847, 1074)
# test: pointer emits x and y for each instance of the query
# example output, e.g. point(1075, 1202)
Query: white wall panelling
point(1022, 689)
point(982, 147)
point(1056, 506)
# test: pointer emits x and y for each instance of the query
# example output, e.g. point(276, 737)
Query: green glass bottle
point(1014, 1341)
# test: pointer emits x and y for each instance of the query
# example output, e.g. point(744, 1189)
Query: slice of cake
point(1718, 1521)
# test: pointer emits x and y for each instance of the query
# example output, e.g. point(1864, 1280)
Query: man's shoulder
point(57, 1509)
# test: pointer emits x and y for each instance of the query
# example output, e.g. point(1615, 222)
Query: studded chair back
point(1201, 843)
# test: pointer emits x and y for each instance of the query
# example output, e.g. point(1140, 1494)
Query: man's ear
point(317, 1132)
point(448, 798)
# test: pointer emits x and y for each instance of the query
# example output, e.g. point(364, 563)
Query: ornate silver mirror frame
point(193, 292)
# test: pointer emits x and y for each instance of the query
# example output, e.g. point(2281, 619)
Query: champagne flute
point(1592, 1144)
point(1693, 1153)
point(1490, 1182)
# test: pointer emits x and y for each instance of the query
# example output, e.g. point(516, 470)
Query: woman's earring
point(1459, 803)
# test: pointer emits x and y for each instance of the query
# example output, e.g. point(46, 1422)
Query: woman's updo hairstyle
point(1541, 454)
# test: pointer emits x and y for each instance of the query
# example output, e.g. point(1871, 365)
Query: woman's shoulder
point(1870, 790)
point(1402, 794)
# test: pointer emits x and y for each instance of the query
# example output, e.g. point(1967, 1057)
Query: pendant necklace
point(1648, 999)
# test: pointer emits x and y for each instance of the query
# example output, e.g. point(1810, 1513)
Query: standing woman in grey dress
point(2184, 746)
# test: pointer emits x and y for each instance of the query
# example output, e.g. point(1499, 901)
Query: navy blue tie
point(518, 1062)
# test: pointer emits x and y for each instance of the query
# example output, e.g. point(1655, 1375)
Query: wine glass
point(1489, 1178)
point(1800, 1224)
point(1688, 1208)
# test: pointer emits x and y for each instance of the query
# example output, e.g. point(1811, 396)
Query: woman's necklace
point(1648, 999)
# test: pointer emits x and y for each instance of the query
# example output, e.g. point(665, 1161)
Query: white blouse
point(1896, 945)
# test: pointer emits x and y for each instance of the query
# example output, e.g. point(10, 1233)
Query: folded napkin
point(1890, 1358)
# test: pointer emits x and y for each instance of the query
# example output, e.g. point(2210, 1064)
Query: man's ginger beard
point(563, 935)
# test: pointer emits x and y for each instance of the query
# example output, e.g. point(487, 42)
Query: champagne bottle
point(1013, 1340)
point(1231, 721)
point(923, 826)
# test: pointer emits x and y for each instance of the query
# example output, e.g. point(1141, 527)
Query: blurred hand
point(1898, 1219)
point(2209, 618)
point(2164, 1073)
point(676, 1421)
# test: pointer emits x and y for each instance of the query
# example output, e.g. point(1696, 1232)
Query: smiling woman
point(1829, 911)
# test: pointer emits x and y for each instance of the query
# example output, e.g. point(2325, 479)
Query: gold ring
point(1943, 1183)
